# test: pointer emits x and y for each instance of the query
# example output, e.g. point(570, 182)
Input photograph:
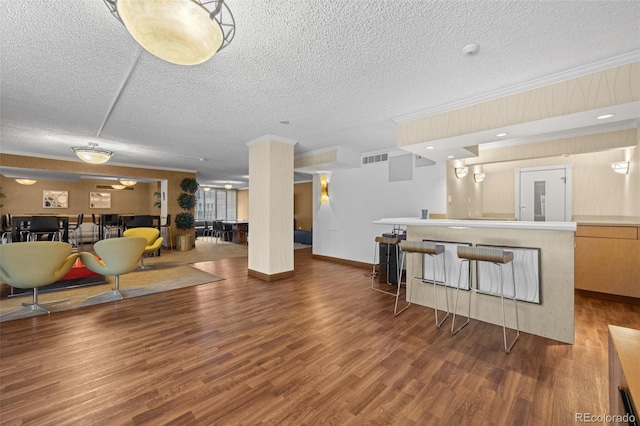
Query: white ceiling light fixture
point(228, 186)
point(128, 182)
point(501, 135)
point(182, 32)
point(621, 167)
point(92, 154)
point(118, 186)
point(605, 116)
point(26, 181)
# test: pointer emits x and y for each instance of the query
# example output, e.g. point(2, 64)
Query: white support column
point(271, 207)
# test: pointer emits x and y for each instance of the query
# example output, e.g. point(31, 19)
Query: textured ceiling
point(338, 71)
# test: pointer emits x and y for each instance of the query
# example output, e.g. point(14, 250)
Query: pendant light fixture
point(92, 154)
point(128, 182)
point(182, 32)
point(26, 181)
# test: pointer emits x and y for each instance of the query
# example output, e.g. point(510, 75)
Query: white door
point(544, 194)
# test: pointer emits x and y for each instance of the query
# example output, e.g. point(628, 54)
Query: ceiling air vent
point(377, 158)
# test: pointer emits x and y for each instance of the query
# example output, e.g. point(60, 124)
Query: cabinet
point(624, 371)
point(607, 259)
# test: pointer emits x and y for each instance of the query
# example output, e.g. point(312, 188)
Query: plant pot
point(183, 242)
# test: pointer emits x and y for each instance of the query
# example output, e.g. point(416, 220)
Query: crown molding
point(273, 138)
point(616, 61)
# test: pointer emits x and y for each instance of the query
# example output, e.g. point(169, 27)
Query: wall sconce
point(324, 190)
point(26, 181)
point(621, 167)
point(478, 177)
point(461, 172)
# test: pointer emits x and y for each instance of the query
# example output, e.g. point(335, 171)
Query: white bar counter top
point(495, 224)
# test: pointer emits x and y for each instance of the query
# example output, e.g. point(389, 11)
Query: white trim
point(273, 138)
point(494, 224)
point(598, 66)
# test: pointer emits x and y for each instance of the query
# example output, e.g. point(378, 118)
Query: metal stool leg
point(400, 268)
point(455, 308)
point(446, 293)
point(507, 349)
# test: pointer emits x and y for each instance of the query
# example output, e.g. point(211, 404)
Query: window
point(216, 204)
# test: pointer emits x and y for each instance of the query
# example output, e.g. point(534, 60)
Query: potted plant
point(185, 220)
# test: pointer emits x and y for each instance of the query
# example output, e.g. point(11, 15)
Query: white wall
point(343, 227)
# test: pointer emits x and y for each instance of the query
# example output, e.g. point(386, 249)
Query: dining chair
point(48, 226)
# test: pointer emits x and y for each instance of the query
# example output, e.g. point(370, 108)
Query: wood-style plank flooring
point(319, 348)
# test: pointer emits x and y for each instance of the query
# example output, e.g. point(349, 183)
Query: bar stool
point(434, 250)
point(497, 257)
point(391, 244)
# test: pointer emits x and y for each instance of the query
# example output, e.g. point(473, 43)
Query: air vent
point(378, 158)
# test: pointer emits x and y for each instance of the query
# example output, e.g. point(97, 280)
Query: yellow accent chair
point(116, 256)
point(34, 265)
point(154, 241)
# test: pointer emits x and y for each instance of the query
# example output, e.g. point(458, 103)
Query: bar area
point(543, 269)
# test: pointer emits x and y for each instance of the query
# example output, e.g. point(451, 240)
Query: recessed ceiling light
point(501, 135)
point(603, 116)
point(430, 147)
point(450, 156)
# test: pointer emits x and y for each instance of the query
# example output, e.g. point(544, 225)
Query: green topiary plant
point(189, 185)
point(184, 221)
point(186, 201)
point(157, 203)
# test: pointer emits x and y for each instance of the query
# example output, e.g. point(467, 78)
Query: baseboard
point(343, 261)
point(610, 297)
point(270, 277)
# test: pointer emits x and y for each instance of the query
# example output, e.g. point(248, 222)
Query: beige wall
point(615, 86)
point(28, 199)
point(126, 202)
point(302, 205)
point(242, 205)
point(596, 190)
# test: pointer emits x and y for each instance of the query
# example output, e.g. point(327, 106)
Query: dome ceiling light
point(128, 182)
point(92, 154)
point(182, 32)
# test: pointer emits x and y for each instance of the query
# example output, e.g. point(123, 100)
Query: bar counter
point(552, 316)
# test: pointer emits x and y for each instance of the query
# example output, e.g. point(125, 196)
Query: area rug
point(169, 272)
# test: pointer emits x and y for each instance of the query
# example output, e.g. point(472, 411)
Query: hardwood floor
point(319, 348)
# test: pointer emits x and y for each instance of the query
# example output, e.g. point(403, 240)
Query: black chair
point(220, 230)
point(7, 232)
point(111, 224)
point(141, 221)
point(167, 230)
point(75, 232)
point(48, 226)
